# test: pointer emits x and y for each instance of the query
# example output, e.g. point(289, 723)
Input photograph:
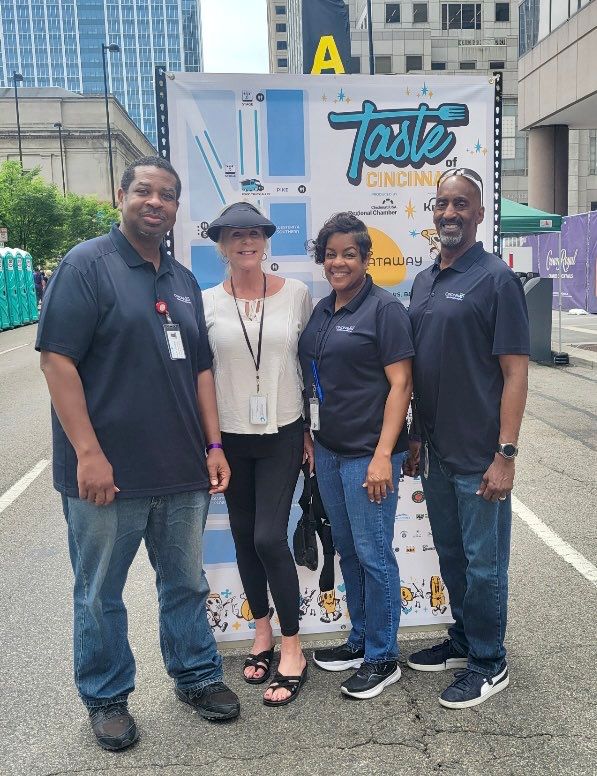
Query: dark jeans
point(103, 542)
point(472, 539)
point(265, 468)
point(363, 534)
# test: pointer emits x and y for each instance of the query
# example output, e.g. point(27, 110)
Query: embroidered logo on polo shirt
point(185, 299)
point(457, 297)
point(345, 328)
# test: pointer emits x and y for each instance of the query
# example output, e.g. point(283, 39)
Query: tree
point(84, 217)
point(30, 210)
point(40, 220)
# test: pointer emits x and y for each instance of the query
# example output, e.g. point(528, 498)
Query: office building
point(84, 138)
point(285, 37)
point(557, 94)
point(59, 43)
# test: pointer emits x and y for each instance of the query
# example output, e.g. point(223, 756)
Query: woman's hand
point(379, 478)
point(308, 452)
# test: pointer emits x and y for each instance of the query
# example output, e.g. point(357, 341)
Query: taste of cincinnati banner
point(302, 148)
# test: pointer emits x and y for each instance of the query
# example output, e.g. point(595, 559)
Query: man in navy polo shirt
point(125, 353)
point(471, 338)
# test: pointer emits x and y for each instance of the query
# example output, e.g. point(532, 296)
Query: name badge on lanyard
point(316, 399)
point(257, 401)
point(172, 333)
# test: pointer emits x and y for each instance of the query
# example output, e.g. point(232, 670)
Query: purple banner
point(547, 250)
point(592, 264)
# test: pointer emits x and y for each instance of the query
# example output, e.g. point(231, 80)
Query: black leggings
point(265, 468)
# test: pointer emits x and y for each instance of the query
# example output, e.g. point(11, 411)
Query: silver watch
point(508, 450)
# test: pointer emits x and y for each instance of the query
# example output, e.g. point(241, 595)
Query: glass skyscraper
point(59, 43)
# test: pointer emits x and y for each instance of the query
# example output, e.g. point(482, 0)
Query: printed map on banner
point(302, 148)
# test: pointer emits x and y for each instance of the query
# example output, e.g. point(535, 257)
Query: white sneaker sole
point(338, 665)
point(451, 663)
point(476, 701)
point(377, 690)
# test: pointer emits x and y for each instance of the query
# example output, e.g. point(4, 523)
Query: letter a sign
point(326, 37)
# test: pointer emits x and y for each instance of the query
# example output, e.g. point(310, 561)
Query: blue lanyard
point(316, 383)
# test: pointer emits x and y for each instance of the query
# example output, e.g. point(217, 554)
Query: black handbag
point(304, 541)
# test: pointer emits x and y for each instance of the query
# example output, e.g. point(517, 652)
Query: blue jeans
point(363, 534)
point(472, 538)
point(103, 542)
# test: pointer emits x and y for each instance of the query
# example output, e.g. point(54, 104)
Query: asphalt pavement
point(544, 723)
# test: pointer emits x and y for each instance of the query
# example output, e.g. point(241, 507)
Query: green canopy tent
point(517, 219)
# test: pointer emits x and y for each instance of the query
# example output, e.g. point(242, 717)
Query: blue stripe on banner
point(211, 145)
point(211, 172)
point(291, 228)
point(207, 267)
point(256, 124)
point(240, 142)
point(285, 132)
point(218, 546)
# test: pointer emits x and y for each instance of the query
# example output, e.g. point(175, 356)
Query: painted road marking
point(2, 352)
point(12, 494)
point(554, 542)
point(579, 328)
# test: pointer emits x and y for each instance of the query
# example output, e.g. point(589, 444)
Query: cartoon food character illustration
point(437, 595)
point(216, 612)
point(329, 605)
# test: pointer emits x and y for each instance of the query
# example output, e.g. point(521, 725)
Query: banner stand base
point(311, 640)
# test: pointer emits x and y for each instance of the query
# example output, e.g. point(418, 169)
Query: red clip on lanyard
point(162, 308)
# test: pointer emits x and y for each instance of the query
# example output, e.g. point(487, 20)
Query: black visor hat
point(239, 216)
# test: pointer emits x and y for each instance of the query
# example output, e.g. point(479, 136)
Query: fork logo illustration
point(404, 137)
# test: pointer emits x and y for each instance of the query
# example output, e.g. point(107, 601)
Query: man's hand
point(412, 460)
point(95, 479)
point(379, 478)
point(498, 480)
point(308, 452)
point(219, 471)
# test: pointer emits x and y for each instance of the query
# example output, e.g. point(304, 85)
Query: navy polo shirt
point(463, 318)
point(100, 311)
point(351, 347)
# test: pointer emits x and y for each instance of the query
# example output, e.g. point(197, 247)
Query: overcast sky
point(234, 36)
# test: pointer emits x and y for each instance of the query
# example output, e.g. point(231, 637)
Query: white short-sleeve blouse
point(286, 314)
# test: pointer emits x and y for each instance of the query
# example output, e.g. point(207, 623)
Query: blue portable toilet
point(12, 289)
point(4, 314)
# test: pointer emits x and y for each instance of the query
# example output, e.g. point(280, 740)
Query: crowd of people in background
point(163, 395)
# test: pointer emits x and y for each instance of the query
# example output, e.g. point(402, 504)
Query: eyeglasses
point(464, 172)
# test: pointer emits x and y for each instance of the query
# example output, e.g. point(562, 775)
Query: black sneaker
point(441, 657)
point(113, 726)
point(338, 658)
point(213, 702)
point(371, 679)
point(471, 688)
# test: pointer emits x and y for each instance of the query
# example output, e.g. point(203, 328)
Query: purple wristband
point(214, 446)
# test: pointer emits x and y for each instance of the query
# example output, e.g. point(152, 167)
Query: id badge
point(426, 461)
point(258, 409)
point(314, 412)
point(174, 341)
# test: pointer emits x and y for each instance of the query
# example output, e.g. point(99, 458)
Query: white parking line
point(554, 542)
point(12, 494)
point(9, 350)
point(579, 328)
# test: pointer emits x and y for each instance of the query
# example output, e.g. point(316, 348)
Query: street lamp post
point(17, 78)
point(112, 47)
point(58, 126)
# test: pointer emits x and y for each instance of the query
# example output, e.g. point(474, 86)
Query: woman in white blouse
point(254, 321)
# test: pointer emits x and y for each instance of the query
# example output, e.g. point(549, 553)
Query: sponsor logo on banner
point(418, 497)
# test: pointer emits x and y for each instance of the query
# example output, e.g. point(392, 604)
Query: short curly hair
point(344, 223)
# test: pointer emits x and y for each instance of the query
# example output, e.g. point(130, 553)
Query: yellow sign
point(387, 266)
point(327, 56)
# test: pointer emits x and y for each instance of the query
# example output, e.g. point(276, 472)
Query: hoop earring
point(224, 259)
point(323, 274)
point(264, 257)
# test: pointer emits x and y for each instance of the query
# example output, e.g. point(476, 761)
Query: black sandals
point(263, 661)
point(291, 683)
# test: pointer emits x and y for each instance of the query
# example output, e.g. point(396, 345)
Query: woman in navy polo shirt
point(356, 355)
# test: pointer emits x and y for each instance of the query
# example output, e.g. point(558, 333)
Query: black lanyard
point(256, 361)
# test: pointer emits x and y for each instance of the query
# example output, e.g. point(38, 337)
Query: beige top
point(286, 314)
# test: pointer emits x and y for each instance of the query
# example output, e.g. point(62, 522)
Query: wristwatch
point(508, 450)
